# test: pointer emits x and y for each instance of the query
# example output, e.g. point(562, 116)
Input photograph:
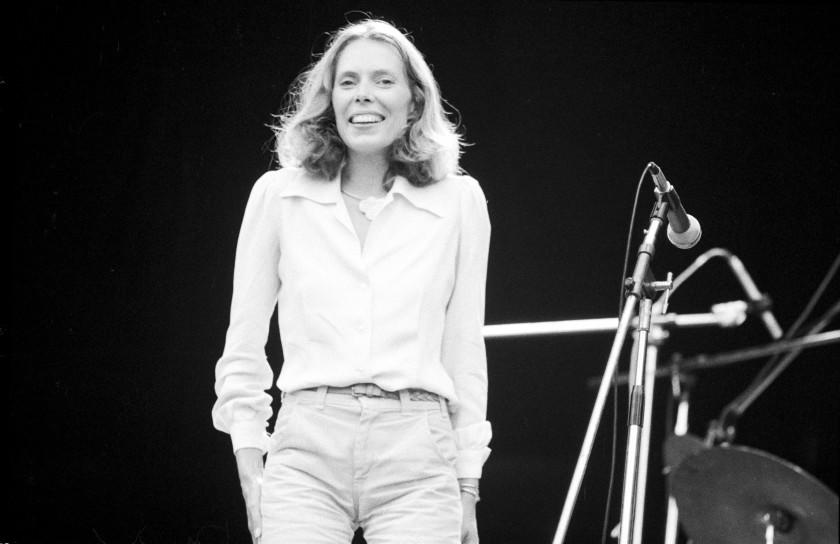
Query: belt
point(373, 390)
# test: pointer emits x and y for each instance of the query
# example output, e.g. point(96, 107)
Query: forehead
point(368, 55)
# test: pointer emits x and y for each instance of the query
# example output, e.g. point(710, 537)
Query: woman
point(375, 252)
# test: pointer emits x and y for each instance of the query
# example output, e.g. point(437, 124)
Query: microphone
point(683, 229)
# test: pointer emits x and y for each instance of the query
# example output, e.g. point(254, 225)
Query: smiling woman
point(371, 98)
point(427, 150)
point(374, 250)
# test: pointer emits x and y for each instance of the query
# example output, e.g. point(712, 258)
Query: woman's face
point(371, 97)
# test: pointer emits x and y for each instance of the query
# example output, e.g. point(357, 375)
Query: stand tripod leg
point(594, 420)
point(636, 294)
point(644, 449)
point(635, 425)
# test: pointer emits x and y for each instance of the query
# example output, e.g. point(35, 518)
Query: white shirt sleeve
point(243, 374)
point(463, 353)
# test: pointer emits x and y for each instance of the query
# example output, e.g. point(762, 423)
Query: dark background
point(138, 130)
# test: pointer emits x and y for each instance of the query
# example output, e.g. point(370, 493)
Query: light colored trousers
point(338, 462)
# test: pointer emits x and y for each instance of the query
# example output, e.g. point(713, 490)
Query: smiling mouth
point(366, 119)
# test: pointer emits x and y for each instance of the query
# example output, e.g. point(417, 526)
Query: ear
point(414, 112)
point(417, 103)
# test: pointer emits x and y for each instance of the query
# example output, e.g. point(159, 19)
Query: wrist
point(469, 487)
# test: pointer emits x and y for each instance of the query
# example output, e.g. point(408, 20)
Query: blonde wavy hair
point(306, 135)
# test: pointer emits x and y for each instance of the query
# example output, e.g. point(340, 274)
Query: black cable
point(621, 298)
point(629, 241)
point(725, 424)
point(769, 367)
point(818, 293)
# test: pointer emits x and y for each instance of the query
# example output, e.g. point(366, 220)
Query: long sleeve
point(243, 374)
point(463, 353)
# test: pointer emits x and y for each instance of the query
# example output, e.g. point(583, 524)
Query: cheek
point(338, 107)
point(401, 110)
point(335, 101)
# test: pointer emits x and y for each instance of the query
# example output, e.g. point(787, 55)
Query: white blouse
point(404, 311)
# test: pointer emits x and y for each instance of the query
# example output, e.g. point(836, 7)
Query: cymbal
point(726, 495)
point(678, 447)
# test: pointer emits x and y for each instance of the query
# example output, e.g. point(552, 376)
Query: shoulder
point(465, 184)
point(285, 182)
point(461, 182)
point(277, 180)
point(467, 188)
point(458, 186)
point(467, 192)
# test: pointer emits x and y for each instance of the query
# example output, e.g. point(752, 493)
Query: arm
point(463, 351)
point(464, 355)
point(243, 374)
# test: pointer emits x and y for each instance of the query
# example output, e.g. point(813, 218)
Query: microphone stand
point(640, 292)
point(655, 339)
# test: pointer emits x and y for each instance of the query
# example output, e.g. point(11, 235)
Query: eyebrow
point(376, 73)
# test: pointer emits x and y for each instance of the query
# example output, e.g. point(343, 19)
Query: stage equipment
point(738, 495)
point(760, 304)
point(641, 288)
point(677, 447)
point(683, 229)
point(702, 362)
point(722, 430)
point(725, 314)
point(758, 301)
point(650, 324)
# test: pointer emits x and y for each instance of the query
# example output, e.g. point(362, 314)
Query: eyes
point(350, 81)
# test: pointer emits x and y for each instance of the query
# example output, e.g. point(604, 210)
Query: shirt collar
point(328, 192)
point(427, 198)
point(308, 186)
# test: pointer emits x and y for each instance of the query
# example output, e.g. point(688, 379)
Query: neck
point(364, 175)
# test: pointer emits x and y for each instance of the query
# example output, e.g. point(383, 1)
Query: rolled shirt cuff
point(472, 441)
point(249, 434)
point(470, 463)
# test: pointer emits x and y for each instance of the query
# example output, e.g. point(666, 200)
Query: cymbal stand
point(775, 521)
point(680, 394)
point(722, 430)
point(641, 293)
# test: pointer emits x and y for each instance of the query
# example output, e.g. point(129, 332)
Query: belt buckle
point(365, 390)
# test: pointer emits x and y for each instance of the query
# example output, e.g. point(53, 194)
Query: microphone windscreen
point(689, 238)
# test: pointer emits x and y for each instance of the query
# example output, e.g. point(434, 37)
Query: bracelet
point(470, 490)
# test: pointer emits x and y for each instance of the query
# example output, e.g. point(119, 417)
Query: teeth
point(365, 118)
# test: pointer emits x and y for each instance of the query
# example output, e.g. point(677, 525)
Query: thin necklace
point(359, 198)
point(369, 206)
point(351, 195)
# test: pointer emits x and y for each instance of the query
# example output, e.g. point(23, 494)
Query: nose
point(363, 94)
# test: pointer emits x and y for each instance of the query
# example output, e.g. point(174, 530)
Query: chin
point(368, 148)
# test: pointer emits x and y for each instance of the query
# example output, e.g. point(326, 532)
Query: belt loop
point(444, 409)
point(321, 400)
point(288, 398)
point(405, 400)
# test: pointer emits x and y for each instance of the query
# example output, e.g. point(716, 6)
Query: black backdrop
point(139, 129)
